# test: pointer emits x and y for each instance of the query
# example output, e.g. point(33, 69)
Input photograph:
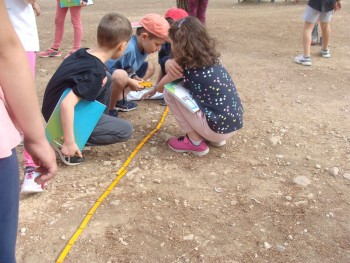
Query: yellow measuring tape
point(122, 171)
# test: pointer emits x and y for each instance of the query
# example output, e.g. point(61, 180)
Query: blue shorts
point(9, 196)
point(141, 72)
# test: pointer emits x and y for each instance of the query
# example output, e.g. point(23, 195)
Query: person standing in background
point(198, 8)
point(61, 13)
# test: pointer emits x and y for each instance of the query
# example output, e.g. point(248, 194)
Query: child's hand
point(149, 94)
point(83, 3)
point(134, 85)
point(43, 156)
point(70, 149)
point(173, 69)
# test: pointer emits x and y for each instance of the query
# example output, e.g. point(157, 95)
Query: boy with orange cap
point(130, 69)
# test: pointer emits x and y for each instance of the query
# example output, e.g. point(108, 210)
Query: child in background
point(61, 13)
point(210, 85)
point(20, 108)
point(129, 70)
point(23, 21)
point(322, 11)
point(84, 72)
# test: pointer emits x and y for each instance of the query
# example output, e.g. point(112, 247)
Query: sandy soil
point(239, 203)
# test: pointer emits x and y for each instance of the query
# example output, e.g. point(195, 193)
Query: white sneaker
point(305, 61)
point(217, 144)
point(29, 185)
point(325, 53)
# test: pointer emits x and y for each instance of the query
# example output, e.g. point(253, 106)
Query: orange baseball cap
point(155, 24)
point(176, 13)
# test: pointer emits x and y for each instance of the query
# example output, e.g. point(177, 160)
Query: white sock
point(196, 143)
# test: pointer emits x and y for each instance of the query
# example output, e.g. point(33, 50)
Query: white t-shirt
point(23, 20)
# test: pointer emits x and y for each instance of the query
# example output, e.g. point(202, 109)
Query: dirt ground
point(240, 203)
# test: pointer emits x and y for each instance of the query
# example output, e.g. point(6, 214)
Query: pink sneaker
point(50, 53)
point(183, 144)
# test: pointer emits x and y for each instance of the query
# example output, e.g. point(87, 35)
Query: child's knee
point(120, 76)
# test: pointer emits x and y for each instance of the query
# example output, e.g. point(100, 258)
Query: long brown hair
point(193, 47)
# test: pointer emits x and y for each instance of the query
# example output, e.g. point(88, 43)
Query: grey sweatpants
point(109, 129)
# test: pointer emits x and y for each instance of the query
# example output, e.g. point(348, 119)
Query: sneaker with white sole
point(125, 105)
point(75, 160)
point(217, 144)
point(325, 53)
point(50, 53)
point(29, 185)
point(183, 144)
point(305, 61)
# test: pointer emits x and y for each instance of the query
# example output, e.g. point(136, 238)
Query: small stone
point(290, 237)
point(131, 173)
point(188, 237)
point(333, 171)
point(281, 248)
point(346, 176)
point(318, 166)
point(106, 163)
point(275, 140)
point(115, 202)
point(267, 245)
point(63, 237)
point(23, 231)
point(234, 202)
point(153, 149)
point(218, 189)
point(289, 198)
point(156, 181)
point(279, 156)
point(302, 180)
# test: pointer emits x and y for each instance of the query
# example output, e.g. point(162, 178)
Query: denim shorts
point(311, 15)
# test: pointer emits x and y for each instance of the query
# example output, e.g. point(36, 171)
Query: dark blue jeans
point(9, 202)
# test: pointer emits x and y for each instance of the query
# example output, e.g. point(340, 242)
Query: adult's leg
point(77, 26)
point(9, 196)
point(193, 7)
point(202, 10)
point(59, 25)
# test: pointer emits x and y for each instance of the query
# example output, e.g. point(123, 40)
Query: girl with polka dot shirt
point(196, 63)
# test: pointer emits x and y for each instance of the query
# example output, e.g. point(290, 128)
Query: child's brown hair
point(192, 45)
point(113, 29)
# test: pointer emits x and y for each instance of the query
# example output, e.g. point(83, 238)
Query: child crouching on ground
point(84, 72)
point(129, 70)
point(210, 85)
